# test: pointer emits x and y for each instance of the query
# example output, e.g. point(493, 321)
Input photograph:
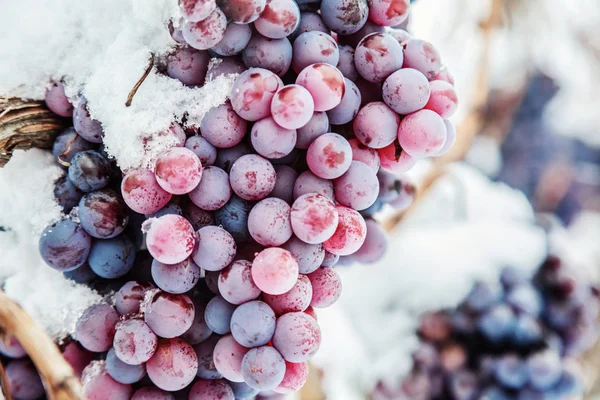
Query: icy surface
point(26, 207)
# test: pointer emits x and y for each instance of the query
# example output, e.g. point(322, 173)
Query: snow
point(26, 207)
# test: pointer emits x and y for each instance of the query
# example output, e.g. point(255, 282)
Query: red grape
point(350, 233)
point(236, 284)
point(95, 328)
point(227, 356)
point(57, 101)
point(211, 390)
point(376, 125)
point(292, 107)
point(272, 54)
point(344, 16)
point(358, 187)
point(134, 341)
point(235, 39)
point(297, 336)
point(422, 56)
point(203, 35)
point(364, 154)
point(98, 385)
point(296, 375)
point(422, 134)
point(269, 222)
point(178, 170)
point(443, 100)
point(315, 127)
point(142, 193)
point(377, 56)
point(279, 19)
point(252, 177)
point(309, 256)
point(169, 315)
point(375, 245)
point(388, 12)
point(188, 65)
point(173, 365)
point(242, 11)
point(274, 270)
point(450, 138)
point(314, 218)
point(152, 393)
point(329, 156)
point(327, 287)
point(348, 108)
point(406, 91)
point(271, 140)
point(252, 93)
point(213, 191)
point(170, 239)
point(394, 159)
point(206, 152)
point(314, 47)
point(325, 83)
point(346, 63)
point(222, 127)
point(197, 10)
point(307, 182)
point(298, 298)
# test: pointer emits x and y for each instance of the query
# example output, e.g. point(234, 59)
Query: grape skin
point(325, 84)
point(142, 193)
point(64, 245)
point(298, 298)
point(99, 385)
point(87, 127)
point(253, 324)
point(388, 12)
point(203, 35)
point(314, 47)
point(95, 328)
point(350, 233)
point(170, 239)
point(188, 65)
point(206, 152)
point(309, 256)
point(69, 143)
point(169, 315)
point(315, 127)
point(173, 366)
point(443, 99)
point(376, 125)
point(252, 177)
point(292, 107)
point(327, 287)
point(129, 297)
point(222, 127)
point(358, 187)
point(297, 336)
point(296, 375)
point(134, 342)
point(263, 368)
point(284, 185)
point(279, 19)
point(329, 156)
point(377, 56)
point(314, 218)
point(121, 372)
point(215, 248)
point(307, 182)
point(211, 390)
point(89, 171)
point(235, 39)
point(213, 191)
point(176, 278)
point(236, 284)
point(252, 93)
point(274, 270)
point(271, 140)
point(272, 54)
point(365, 154)
point(422, 134)
point(218, 315)
point(346, 63)
point(344, 16)
point(406, 91)
point(103, 214)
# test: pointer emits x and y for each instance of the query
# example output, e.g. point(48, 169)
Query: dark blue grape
point(83, 274)
point(67, 144)
point(65, 245)
point(112, 258)
point(525, 298)
point(569, 385)
point(545, 369)
point(89, 171)
point(226, 157)
point(242, 391)
point(206, 365)
point(511, 371)
point(463, 385)
point(122, 372)
point(103, 214)
point(497, 323)
point(233, 217)
point(510, 277)
point(170, 208)
point(218, 315)
point(66, 194)
point(482, 296)
point(527, 331)
point(134, 229)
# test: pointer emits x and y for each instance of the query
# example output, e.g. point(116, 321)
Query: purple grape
point(326, 287)
point(253, 324)
point(89, 171)
point(497, 323)
point(314, 47)
point(11, 348)
point(169, 209)
point(279, 19)
point(213, 191)
point(233, 217)
point(545, 369)
point(388, 12)
point(375, 246)
point(57, 101)
point(527, 331)
point(222, 127)
point(130, 296)
point(23, 380)
point(263, 368)
point(252, 177)
point(67, 144)
point(346, 63)
point(274, 55)
point(236, 284)
point(206, 152)
point(369, 91)
point(77, 357)
point(297, 336)
point(198, 217)
point(330, 259)
point(199, 331)
point(271, 140)
point(223, 67)
point(525, 298)
point(151, 393)
point(66, 194)
point(112, 258)
point(134, 342)
point(284, 186)
point(173, 366)
point(65, 245)
point(377, 56)
point(235, 39)
point(176, 278)
point(399, 34)
point(511, 371)
point(309, 22)
point(346, 111)
point(354, 39)
point(482, 296)
point(218, 315)
point(205, 354)
point(422, 56)
point(188, 65)
point(142, 193)
point(95, 328)
point(297, 299)
point(344, 16)
point(169, 315)
point(406, 91)
point(211, 390)
point(87, 127)
point(309, 256)
point(215, 248)
point(197, 10)
point(308, 182)
point(203, 35)
point(121, 372)
point(226, 157)
point(252, 93)
point(103, 214)
point(315, 127)
point(242, 11)
point(376, 125)
point(242, 391)
point(269, 222)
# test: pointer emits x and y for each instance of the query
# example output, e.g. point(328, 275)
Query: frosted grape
point(64, 245)
point(314, 218)
point(226, 157)
point(152, 393)
point(173, 366)
point(223, 67)
point(205, 353)
point(176, 278)
point(349, 235)
point(252, 93)
point(272, 54)
point(96, 327)
point(121, 372)
point(358, 187)
point(388, 12)
point(233, 217)
point(236, 284)
point(235, 39)
point(69, 143)
point(271, 140)
point(77, 357)
point(346, 63)
point(242, 11)
point(309, 22)
point(23, 381)
point(129, 297)
point(211, 390)
point(242, 391)
point(330, 259)
point(263, 368)
point(171, 208)
point(375, 245)
point(444, 75)
point(450, 138)
point(369, 91)
point(297, 336)
point(284, 185)
point(199, 331)
point(89, 171)
point(222, 127)
point(399, 34)
point(99, 385)
point(307, 182)
point(103, 214)
point(142, 193)
point(218, 315)
point(348, 108)
point(253, 324)
point(394, 159)
point(170, 239)
point(376, 125)
point(329, 156)
point(377, 56)
point(213, 191)
point(203, 35)
point(134, 342)
point(66, 194)
point(269, 222)
point(325, 84)
point(274, 270)
point(296, 375)
point(87, 127)
point(309, 256)
point(252, 177)
point(443, 100)
point(10, 347)
point(188, 65)
point(279, 19)
point(292, 107)
point(296, 299)
point(178, 170)
point(314, 47)
point(227, 356)
point(215, 249)
point(326, 287)
point(169, 315)
point(355, 38)
point(422, 134)
point(197, 10)
point(406, 91)
point(344, 16)
point(315, 127)
point(365, 154)
point(422, 56)
point(57, 101)
point(206, 152)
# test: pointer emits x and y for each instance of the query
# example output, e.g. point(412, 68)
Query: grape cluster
point(220, 252)
point(517, 340)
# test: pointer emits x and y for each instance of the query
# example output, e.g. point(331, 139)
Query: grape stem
point(141, 80)
point(58, 376)
point(4, 389)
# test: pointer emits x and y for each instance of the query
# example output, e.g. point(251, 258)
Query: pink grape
point(311, 312)
point(329, 156)
point(315, 127)
point(422, 56)
point(199, 331)
point(444, 75)
point(206, 366)
point(10, 347)
point(218, 315)
point(252, 177)
point(272, 54)
point(77, 357)
point(307, 182)
point(242, 11)
point(178, 170)
point(95, 328)
point(130, 296)
point(222, 127)
point(57, 101)
point(134, 341)
point(223, 67)
point(327, 287)
point(365, 154)
point(296, 375)
point(298, 298)
point(399, 34)
point(348, 108)
point(213, 191)
point(269, 222)
point(309, 22)
point(450, 138)
point(227, 356)
point(279, 19)
point(325, 83)
point(263, 368)
point(406, 91)
point(252, 93)
point(377, 56)
point(197, 10)
point(203, 35)
point(188, 65)
point(236, 284)
point(314, 218)
point(173, 366)
point(292, 107)
point(235, 39)
point(358, 187)
point(98, 385)
point(152, 393)
point(284, 185)
point(443, 100)
point(346, 63)
point(422, 134)
point(375, 245)
point(376, 125)
point(274, 270)
point(22, 380)
point(211, 390)
point(170, 239)
point(169, 315)
point(314, 47)
point(142, 193)
point(330, 259)
point(388, 12)
point(344, 16)
point(216, 248)
point(350, 233)
point(394, 159)
point(309, 256)
point(253, 324)
point(297, 336)
point(176, 278)
point(369, 91)
point(198, 217)
point(271, 140)
point(206, 152)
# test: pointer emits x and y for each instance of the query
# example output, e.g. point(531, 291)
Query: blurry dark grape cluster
point(518, 339)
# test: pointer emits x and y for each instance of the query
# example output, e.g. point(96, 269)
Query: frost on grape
point(27, 206)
